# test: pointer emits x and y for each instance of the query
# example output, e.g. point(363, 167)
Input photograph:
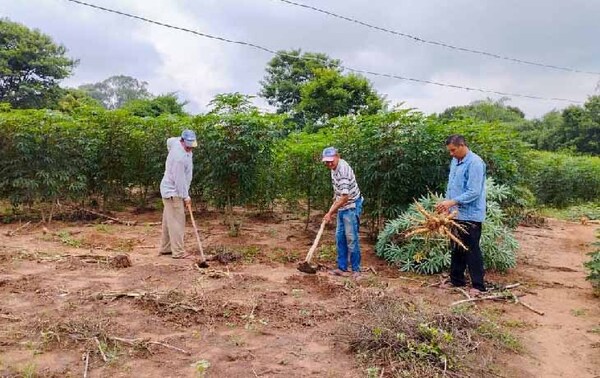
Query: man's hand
point(187, 201)
point(444, 206)
point(327, 217)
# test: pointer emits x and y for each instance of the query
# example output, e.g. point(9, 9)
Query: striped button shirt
point(344, 182)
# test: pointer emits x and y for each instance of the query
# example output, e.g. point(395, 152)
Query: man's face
point(332, 164)
point(457, 151)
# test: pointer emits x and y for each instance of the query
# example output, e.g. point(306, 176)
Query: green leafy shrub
point(432, 255)
point(560, 179)
point(300, 174)
point(396, 157)
point(593, 265)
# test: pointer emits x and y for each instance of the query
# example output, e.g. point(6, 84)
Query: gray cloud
point(561, 33)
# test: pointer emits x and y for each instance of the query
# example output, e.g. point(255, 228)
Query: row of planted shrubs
point(251, 158)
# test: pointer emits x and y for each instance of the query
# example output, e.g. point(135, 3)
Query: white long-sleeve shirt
point(178, 171)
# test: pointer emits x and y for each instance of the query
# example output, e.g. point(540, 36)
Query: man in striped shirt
point(348, 205)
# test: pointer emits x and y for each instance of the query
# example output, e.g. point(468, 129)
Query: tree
point(576, 128)
point(115, 91)
point(287, 72)
point(31, 66)
point(330, 94)
point(77, 101)
point(231, 103)
point(581, 127)
point(164, 104)
point(486, 110)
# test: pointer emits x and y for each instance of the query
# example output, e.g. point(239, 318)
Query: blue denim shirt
point(466, 185)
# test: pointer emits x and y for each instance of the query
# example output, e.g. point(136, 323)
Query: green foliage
point(498, 144)
point(486, 110)
point(388, 153)
point(49, 157)
point(581, 127)
point(300, 174)
point(115, 91)
point(576, 128)
point(236, 154)
point(429, 255)
point(41, 157)
point(287, 72)
point(590, 210)
point(154, 107)
point(593, 266)
point(31, 65)
point(330, 94)
point(561, 179)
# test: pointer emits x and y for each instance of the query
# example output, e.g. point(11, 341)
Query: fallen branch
point(87, 362)
point(489, 297)
point(10, 317)
point(407, 279)
point(531, 308)
point(518, 301)
point(100, 349)
point(145, 342)
point(125, 222)
point(144, 296)
point(152, 224)
point(171, 347)
point(13, 232)
point(113, 295)
point(464, 292)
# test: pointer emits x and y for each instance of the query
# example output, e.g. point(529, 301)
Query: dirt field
point(256, 316)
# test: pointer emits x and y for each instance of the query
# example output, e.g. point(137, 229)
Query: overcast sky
point(560, 32)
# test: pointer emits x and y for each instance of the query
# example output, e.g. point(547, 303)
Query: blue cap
point(329, 154)
point(189, 138)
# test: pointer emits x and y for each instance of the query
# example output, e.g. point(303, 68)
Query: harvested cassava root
point(435, 224)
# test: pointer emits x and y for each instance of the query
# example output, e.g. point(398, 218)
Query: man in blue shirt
point(465, 194)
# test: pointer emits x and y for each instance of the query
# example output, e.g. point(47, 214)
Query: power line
point(437, 43)
point(372, 73)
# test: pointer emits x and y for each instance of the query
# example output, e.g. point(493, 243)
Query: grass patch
point(410, 339)
point(68, 240)
point(249, 253)
point(579, 312)
point(589, 210)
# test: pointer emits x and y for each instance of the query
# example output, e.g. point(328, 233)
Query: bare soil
point(252, 313)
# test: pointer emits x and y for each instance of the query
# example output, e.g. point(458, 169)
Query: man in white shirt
point(174, 189)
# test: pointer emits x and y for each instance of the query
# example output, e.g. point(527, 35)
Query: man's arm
point(473, 190)
point(474, 183)
point(336, 205)
point(181, 182)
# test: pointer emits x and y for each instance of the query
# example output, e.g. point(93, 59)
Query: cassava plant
point(429, 255)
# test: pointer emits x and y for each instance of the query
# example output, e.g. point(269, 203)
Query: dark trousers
point(471, 259)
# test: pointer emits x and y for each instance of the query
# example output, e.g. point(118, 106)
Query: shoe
point(356, 275)
point(474, 293)
point(338, 272)
point(447, 285)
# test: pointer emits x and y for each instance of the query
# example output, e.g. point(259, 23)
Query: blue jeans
point(346, 237)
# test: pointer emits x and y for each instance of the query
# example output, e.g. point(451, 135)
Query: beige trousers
point(173, 227)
